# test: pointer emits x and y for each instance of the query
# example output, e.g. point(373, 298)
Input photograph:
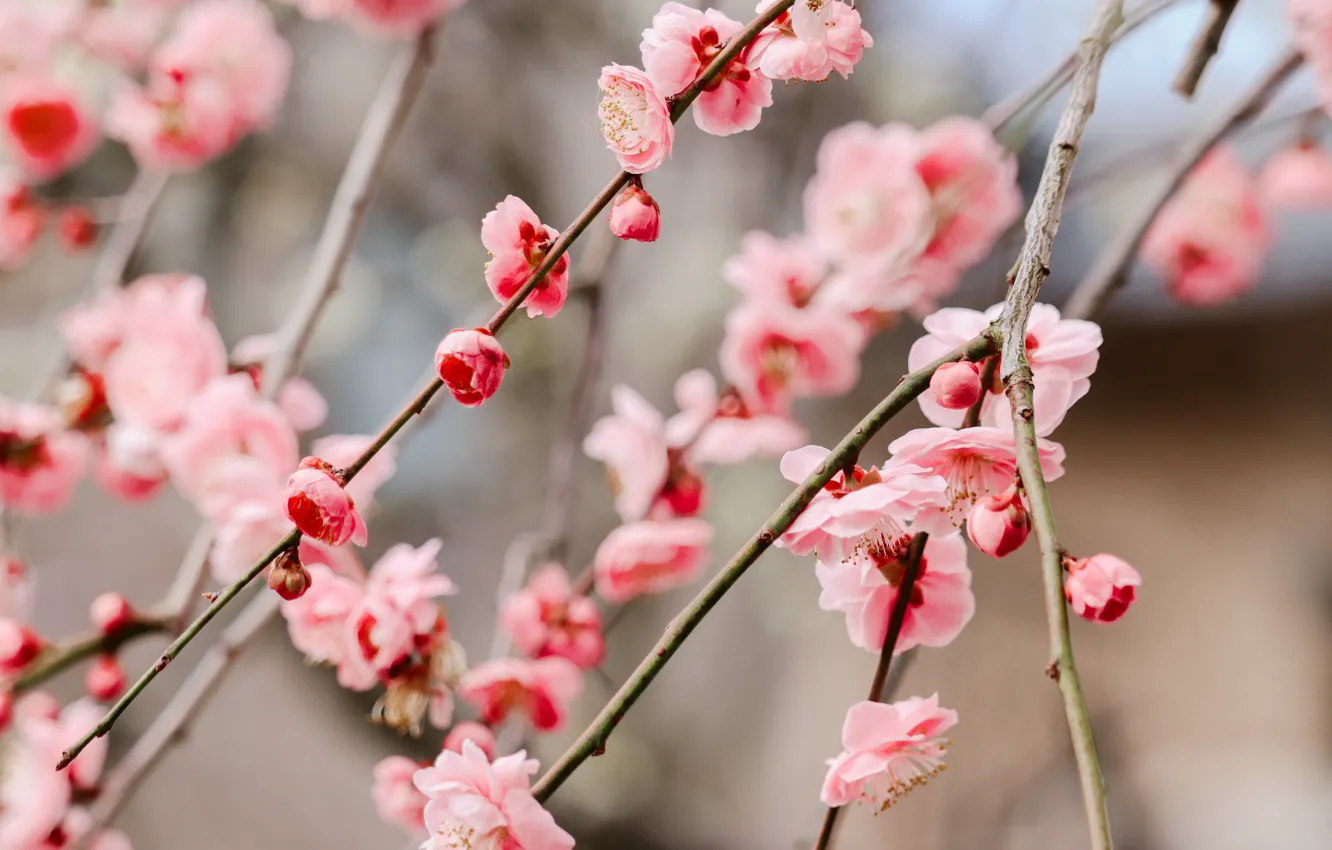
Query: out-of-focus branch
point(1205, 46)
point(878, 689)
point(1110, 270)
point(60, 657)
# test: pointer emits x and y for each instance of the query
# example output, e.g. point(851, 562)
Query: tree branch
point(1110, 270)
point(1205, 45)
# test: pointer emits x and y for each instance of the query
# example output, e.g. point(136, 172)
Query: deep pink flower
point(342, 450)
point(317, 621)
point(122, 33)
point(321, 508)
point(1209, 240)
point(810, 41)
point(477, 804)
point(1298, 177)
point(39, 462)
point(888, 749)
point(518, 243)
point(775, 270)
point(1100, 588)
point(478, 733)
point(21, 220)
point(680, 44)
point(174, 124)
point(245, 531)
point(650, 557)
point(999, 525)
point(540, 689)
point(975, 462)
point(635, 215)
point(956, 386)
point(47, 126)
point(397, 799)
point(774, 353)
point(635, 119)
point(632, 443)
point(471, 364)
point(548, 618)
point(727, 428)
point(872, 510)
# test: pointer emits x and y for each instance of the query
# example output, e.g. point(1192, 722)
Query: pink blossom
point(681, 43)
point(474, 803)
point(396, 797)
point(479, 734)
point(518, 243)
point(888, 749)
point(47, 127)
point(321, 508)
point(471, 364)
point(93, 330)
point(810, 41)
point(956, 386)
point(1100, 588)
point(129, 464)
point(974, 462)
point(105, 679)
point(775, 270)
point(300, 401)
point(245, 532)
point(77, 229)
point(34, 796)
point(342, 450)
point(872, 510)
point(635, 119)
point(632, 444)
point(31, 34)
point(175, 124)
point(122, 33)
point(541, 689)
point(635, 214)
point(317, 621)
point(39, 463)
point(999, 525)
point(547, 618)
point(650, 557)
point(1297, 177)
point(19, 647)
point(1209, 240)
point(56, 734)
point(727, 428)
point(21, 220)
point(773, 353)
point(865, 588)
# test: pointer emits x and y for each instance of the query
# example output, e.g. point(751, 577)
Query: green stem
point(60, 657)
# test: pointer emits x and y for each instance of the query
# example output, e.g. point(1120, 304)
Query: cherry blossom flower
point(518, 243)
point(974, 462)
point(810, 41)
point(635, 214)
point(1298, 177)
point(175, 124)
point(1100, 588)
point(342, 450)
point(540, 689)
point(677, 48)
point(650, 557)
point(246, 531)
point(317, 622)
point(471, 364)
point(635, 119)
point(865, 589)
point(775, 270)
point(288, 577)
point(888, 749)
point(547, 618)
point(396, 797)
point(1209, 240)
point(726, 428)
point(39, 463)
point(474, 803)
point(121, 32)
point(93, 330)
point(773, 353)
point(870, 510)
point(479, 734)
point(320, 507)
point(21, 220)
point(999, 525)
point(129, 464)
point(47, 127)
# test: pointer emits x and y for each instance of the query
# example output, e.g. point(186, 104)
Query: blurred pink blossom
point(1100, 588)
point(471, 363)
point(650, 557)
point(539, 689)
point(774, 353)
point(547, 618)
point(396, 797)
point(40, 463)
point(47, 126)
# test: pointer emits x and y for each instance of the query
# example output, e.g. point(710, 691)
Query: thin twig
point(593, 739)
point(878, 689)
point(1110, 271)
point(65, 655)
point(1205, 46)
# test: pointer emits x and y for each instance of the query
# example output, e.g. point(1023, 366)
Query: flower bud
point(319, 506)
point(110, 613)
point(288, 577)
point(477, 733)
point(956, 386)
point(999, 524)
point(105, 679)
point(635, 214)
point(471, 364)
point(1101, 587)
point(19, 645)
point(77, 228)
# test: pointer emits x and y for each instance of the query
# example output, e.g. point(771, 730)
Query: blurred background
point(1201, 455)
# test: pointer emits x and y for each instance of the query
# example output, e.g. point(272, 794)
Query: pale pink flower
point(650, 557)
point(865, 588)
point(317, 622)
point(867, 207)
point(31, 34)
point(17, 588)
point(547, 618)
point(1210, 239)
point(396, 797)
point(774, 353)
point(59, 733)
point(93, 330)
point(21, 220)
point(681, 43)
point(397, 17)
point(539, 689)
point(406, 576)
point(1298, 177)
point(518, 243)
point(635, 214)
point(245, 532)
point(174, 124)
point(47, 126)
point(128, 463)
point(999, 525)
point(39, 462)
point(478, 733)
point(635, 119)
point(632, 444)
point(974, 462)
point(872, 510)
point(726, 428)
point(300, 401)
point(789, 270)
point(320, 506)
point(342, 450)
point(471, 363)
point(474, 803)
point(810, 41)
point(1100, 588)
point(34, 796)
point(888, 749)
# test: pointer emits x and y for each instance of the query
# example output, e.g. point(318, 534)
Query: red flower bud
point(1100, 588)
point(956, 386)
point(320, 507)
point(471, 364)
point(19, 645)
point(288, 577)
point(635, 214)
point(105, 679)
point(999, 524)
point(110, 613)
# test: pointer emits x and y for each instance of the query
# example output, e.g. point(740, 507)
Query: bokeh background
point(1201, 455)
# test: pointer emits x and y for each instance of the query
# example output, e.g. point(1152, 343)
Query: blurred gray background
point(1201, 455)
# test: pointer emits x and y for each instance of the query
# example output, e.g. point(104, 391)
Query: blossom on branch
point(539, 689)
point(47, 126)
point(650, 557)
point(727, 427)
point(811, 40)
point(471, 363)
point(888, 750)
point(319, 505)
point(518, 243)
point(547, 618)
point(40, 463)
point(635, 120)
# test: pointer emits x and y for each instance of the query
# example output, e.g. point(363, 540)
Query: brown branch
point(1205, 46)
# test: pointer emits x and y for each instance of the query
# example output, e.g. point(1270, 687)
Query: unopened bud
point(105, 679)
point(1100, 588)
point(288, 577)
point(77, 228)
point(999, 524)
point(19, 645)
point(471, 364)
point(110, 613)
point(635, 214)
point(956, 386)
